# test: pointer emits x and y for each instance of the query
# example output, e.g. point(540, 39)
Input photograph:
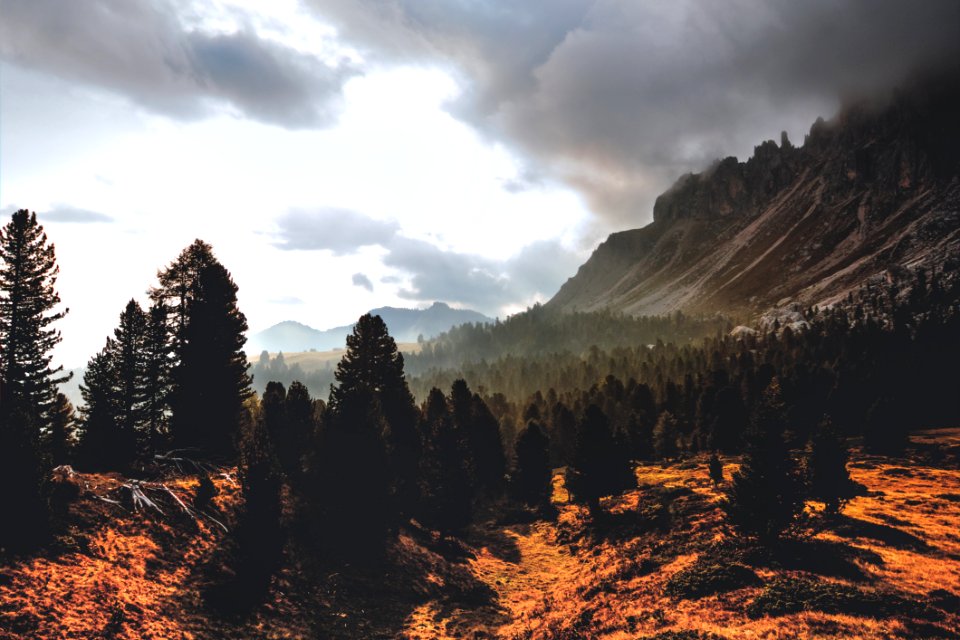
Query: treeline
point(276, 369)
point(879, 364)
point(540, 331)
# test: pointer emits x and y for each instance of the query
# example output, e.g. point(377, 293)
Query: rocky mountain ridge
point(872, 192)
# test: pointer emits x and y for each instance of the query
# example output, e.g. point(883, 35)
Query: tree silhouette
point(104, 443)
point(28, 299)
point(487, 446)
point(373, 367)
point(61, 438)
point(156, 378)
point(259, 534)
point(665, 435)
point(209, 377)
point(129, 367)
point(600, 465)
point(447, 491)
point(885, 431)
point(532, 477)
point(827, 473)
point(765, 495)
point(354, 479)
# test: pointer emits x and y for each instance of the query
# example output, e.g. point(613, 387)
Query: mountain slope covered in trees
point(874, 190)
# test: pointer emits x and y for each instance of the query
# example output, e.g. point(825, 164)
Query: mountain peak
point(875, 188)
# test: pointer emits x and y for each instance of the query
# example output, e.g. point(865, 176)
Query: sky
point(342, 155)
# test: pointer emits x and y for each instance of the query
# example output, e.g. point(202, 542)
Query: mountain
point(875, 190)
point(405, 325)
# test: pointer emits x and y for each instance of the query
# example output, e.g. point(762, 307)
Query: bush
point(708, 576)
point(784, 596)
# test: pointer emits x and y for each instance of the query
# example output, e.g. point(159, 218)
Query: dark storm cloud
point(140, 49)
point(480, 283)
point(362, 281)
point(338, 230)
point(618, 98)
point(72, 214)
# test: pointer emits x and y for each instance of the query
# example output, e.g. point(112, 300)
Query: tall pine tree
point(372, 365)
point(209, 377)
point(532, 477)
point(28, 302)
point(600, 466)
point(28, 310)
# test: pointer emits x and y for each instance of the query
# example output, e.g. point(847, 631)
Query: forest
point(477, 423)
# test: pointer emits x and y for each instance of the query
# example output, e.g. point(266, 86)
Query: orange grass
point(137, 574)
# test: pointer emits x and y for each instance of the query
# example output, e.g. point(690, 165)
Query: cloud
point(619, 98)
point(362, 281)
point(489, 286)
point(292, 300)
point(142, 50)
point(338, 230)
point(65, 213)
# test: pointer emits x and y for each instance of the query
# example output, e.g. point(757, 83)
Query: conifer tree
point(156, 378)
point(532, 477)
point(447, 491)
point(665, 435)
point(129, 367)
point(61, 438)
point(373, 367)
point(298, 432)
point(354, 478)
point(765, 495)
point(28, 302)
point(209, 377)
point(104, 442)
point(827, 474)
point(487, 446)
point(563, 435)
point(259, 534)
point(600, 467)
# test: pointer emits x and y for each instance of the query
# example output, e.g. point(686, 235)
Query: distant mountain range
point(405, 325)
point(871, 193)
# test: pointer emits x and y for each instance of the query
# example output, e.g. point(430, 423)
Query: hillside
point(406, 325)
point(658, 569)
point(876, 189)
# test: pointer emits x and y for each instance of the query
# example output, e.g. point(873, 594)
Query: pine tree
point(487, 446)
point(354, 478)
point(765, 495)
point(61, 438)
point(729, 420)
point(599, 467)
point(28, 299)
point(259, 534)
point(372, 366)
point(104, 442)
point(300, 427)
point(447, 491)
point(532, 477)
point(209, 377)
point(827, 473)
point(156, 378)
point(563, 435)
point(665, 435)
point(129, 367)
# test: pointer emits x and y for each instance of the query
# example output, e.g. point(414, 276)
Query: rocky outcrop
point(876, 189)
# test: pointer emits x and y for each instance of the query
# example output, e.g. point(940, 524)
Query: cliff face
point(874, 190)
